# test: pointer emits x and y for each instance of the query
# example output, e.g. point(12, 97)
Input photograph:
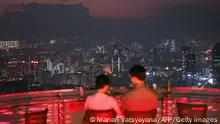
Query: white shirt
point(100, 101)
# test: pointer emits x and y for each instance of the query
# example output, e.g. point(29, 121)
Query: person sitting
point(140, 98)
point(100, 100)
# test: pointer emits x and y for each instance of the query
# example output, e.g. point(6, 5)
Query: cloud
point(13, 5)
point(112, 8)
point(133, 8)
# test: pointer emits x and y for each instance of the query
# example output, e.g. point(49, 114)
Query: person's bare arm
point(116, 107)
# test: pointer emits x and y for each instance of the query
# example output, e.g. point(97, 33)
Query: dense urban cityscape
point(43, 48)
point(70, 62)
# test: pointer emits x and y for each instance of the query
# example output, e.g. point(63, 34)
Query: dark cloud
point(114, 8)
point(70, 20)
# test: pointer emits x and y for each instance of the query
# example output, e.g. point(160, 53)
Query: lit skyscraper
point(173, 46)
point(112, 64)
point(119, 64)
point(216, 65)
point(101, 49)
point(9, 44)
point(169, 45)
point(116, 64)
point(185, 61)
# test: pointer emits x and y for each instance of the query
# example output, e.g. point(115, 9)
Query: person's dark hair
point(101, 81)
point(138, 72)
point(81, 86)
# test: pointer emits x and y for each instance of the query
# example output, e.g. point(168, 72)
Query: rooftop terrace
point(64, 107)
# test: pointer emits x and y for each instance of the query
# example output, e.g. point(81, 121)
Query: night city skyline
point(64, 59)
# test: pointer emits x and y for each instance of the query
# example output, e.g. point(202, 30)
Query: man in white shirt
point(100, 100)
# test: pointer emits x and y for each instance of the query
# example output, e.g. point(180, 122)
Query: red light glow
point(7, 113)
point(200, 109)
point(37, 92)
point(196, 89)
point(67, 107)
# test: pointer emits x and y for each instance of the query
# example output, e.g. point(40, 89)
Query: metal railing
point(65, 109)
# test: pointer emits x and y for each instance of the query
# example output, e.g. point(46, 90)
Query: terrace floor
point(64, 107)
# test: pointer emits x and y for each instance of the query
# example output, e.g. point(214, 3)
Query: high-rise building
point(192, 63)
point(188, 62)
point(58, 69)
point(59, 79)
point(166, 45)
point(116, 64)
point(45, 65)
point(9, 44)
point(173, 45)
point(119, 64)
point(69, 61)
point(112, 64)
point(43, 77)
point(202, 58)
point(216, 65)
point(101, 49)
point(156, 55)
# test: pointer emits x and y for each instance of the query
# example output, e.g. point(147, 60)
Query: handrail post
point(168, 97)
point(14, 113)
point(169, 87)
point(58, 111)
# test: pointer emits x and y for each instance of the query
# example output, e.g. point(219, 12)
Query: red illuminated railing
point(169, 103)
point(65, 109)
point(36, 92)
point(57, 111)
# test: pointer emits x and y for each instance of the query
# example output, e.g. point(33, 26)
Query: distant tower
point(119, 64)
point(99, 50)
point(185, 61)
point(102, 49)
point(29, 65)
point(61, 68)
point(49, 65)
point(173, 45)
point(168, 45)
point(216, 65)
point(112, 64)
